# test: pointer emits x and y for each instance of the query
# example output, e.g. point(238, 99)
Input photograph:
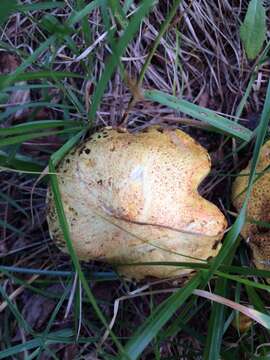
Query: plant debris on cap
point(257, 234)
point(132, 198)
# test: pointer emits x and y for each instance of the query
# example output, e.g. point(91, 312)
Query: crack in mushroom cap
point(133, 198)
point(258, 208)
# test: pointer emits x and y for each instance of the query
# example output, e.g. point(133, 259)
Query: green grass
point(70, 98)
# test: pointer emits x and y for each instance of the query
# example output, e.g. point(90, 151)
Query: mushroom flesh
point(133, 198)
point(255, 230)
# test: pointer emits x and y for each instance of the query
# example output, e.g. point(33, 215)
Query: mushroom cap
point(133, 198)
point(258, 208)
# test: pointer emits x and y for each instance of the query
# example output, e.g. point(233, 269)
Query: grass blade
point(164, 311)
point(236, 228)
point(113, 60)
point(215, 325)
point(208, 116)
point(33, 126)
point(37, 75)
point(12, 202)
point(240, 270)
point(10, 227)
point(65, 228)
point(255, 300)
point(256, 315)
point(22, 138)
point(7, 7)
point(145, 334)
point(46, 5)
point(33, 57)
point(62, 336)
point(162, 31)
point(20, 162)
point(13, 308)
point(100, 275)
point(79, 15)
point(215, 337)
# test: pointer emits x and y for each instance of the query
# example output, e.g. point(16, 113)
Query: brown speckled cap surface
point(258, 209)
point(133, 198)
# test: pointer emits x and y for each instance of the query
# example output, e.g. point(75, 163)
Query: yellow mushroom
point(257, 235)
point(133, 198)
point(242, 323)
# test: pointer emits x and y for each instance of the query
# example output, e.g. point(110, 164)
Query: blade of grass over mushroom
point(65, 228)
point(59, 154)
point(208, 116)
point(119, 49)
point(262, 224)
point(226, 269)
point(258, 176)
